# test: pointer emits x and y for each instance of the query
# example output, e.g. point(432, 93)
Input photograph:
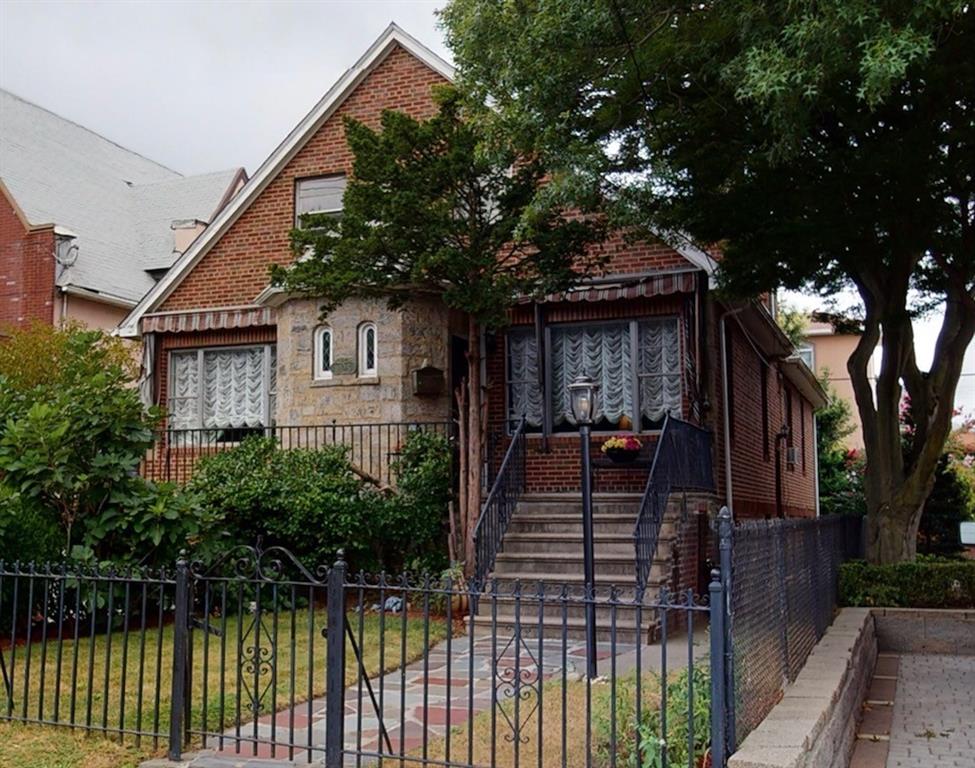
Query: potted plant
point(453, 578)
point(622, 449)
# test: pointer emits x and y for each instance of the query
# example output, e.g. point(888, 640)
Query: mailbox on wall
point(428, 381)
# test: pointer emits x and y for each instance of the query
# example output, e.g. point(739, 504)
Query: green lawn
point(111, 674)
point(36, 746)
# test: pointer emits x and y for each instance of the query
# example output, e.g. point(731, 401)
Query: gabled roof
point(118, 204)
point(392, 36)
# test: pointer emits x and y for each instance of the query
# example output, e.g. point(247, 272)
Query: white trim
point(696, 256)
point(363, 371)
point(278, 159)
point(318, 371)
point(104, 298)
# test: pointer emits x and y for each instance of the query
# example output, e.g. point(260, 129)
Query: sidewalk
point(425, 700)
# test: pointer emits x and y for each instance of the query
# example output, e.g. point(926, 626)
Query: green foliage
point(28, 531)
point(840, 469)
point(818, 142)
point(951, 501)
point(430, 208)
point(793, 322)
point(312, 502)
point(653, 743)
point(927, 583)
point(71, 440)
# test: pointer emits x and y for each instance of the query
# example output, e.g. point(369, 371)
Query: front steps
point(542, 555)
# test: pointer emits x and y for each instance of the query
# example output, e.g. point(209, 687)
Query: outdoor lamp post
point(582, 394)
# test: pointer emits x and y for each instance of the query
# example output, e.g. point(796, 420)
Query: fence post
point(718, 698)
point(725, 549)
point(181, 625)
point(335, 666)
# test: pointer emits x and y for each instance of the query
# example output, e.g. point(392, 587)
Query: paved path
point(934, 713)
point(430, 694)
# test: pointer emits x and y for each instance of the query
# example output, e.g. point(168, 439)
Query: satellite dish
point(67, 257)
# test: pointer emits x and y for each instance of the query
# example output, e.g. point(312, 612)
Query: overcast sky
point(203, 86)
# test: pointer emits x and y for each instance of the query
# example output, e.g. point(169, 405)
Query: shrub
point(309, 501)
point(312, 502)
point(653, 743)
point(28, 531)
point(928, 583)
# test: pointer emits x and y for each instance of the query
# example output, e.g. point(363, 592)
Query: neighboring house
point(87, 226)
point(228, 355)
point(830, 340)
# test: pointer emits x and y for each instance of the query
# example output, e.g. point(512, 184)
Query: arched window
point(368, 352)
point(323, 352)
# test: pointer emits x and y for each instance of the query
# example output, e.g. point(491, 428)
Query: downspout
point(815, 461)
point(726, 414)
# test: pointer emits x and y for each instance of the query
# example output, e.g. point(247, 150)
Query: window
point(229, 390)
point(368, 354)
point(323, 353)
point(636, 363)
point(808, 355)
point(322, 194)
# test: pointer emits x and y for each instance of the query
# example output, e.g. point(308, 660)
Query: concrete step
point(530, 609)
point(618, 568)
point(573, 629)
point(561, 523)
point(533, 542)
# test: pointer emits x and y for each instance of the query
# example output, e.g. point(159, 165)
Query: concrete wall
point(93, 314)
point(814, 726)
point(925, 630)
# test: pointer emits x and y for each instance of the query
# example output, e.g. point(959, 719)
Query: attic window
point(322, 194)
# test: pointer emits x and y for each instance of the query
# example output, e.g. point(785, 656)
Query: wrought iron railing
point(372, 448)
point(505, 491)
point(682, 459)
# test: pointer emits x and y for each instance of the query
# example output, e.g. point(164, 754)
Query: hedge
point(939, 584)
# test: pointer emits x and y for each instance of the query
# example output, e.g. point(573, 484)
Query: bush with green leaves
point(683, 734)
point(928, 583)
point(72, 433)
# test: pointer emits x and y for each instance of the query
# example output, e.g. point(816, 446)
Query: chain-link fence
point(784, 590)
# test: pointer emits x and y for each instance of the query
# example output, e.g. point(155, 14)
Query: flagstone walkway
point(429, 687)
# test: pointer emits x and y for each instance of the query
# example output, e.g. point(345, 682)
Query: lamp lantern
point(582, 396)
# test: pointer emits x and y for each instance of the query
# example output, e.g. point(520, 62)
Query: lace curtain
point(185, 383)
point(660, 372)
point(605, 353)
point(524, 394)
point(602, 352)
point(229, 392)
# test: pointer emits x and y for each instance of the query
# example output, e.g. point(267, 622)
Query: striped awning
point(661, 284)
point(213, 320)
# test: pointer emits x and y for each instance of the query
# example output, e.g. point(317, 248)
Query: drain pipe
point(726, 414)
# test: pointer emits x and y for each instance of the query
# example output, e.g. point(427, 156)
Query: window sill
point(345, 381)
point(593, 435)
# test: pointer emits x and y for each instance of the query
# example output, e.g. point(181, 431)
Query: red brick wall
point(26, 270)
point(753, 471)
point(236, 268)
point(636, 257)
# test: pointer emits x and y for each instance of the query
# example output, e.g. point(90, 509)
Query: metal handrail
point(496, 513)
point(682, 459)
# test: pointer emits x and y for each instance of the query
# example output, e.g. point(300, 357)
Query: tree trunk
point(474, 440)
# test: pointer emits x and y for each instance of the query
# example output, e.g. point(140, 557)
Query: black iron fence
point(258, 654)
point(373, 448)
point(783, 587)
point(506, 488)
point(682, 460)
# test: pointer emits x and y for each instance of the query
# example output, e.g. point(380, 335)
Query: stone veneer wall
point(406, 340)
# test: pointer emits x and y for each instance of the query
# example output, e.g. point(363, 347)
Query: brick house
point(87, 226)
point(228, 354)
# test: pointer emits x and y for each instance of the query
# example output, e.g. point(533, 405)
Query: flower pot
point(621, 455)
point(458, 605)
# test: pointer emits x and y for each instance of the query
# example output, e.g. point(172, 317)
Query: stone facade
point(407, 339)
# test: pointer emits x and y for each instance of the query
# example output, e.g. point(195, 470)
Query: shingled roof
point(119, 204)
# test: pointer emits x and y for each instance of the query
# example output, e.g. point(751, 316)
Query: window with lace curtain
point(228, 392)
point(637, 364)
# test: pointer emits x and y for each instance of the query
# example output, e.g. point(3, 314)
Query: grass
point(101, 679)
point(34, 746)
point(574, 714)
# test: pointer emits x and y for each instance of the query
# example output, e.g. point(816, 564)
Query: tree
point(432, 208)
point(825, 145)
